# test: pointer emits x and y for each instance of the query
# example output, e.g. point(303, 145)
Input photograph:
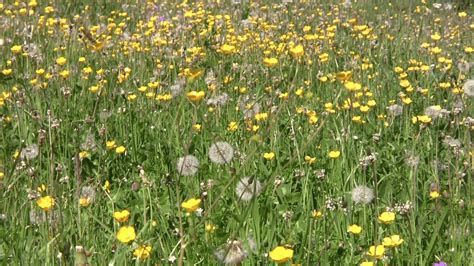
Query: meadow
point(236, 132)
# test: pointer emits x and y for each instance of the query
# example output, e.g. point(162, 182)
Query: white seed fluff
point(246, 191)
point(468, 88)
point(187, 165)
point(362, 195)
point(221, 152)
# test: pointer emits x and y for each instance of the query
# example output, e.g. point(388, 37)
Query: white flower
point(187, 165)
point(362, 194)
point(221, 152)
point(247, 188)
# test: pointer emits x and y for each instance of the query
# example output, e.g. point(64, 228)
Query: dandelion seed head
point(221, 152)
point(188, 165)
point(468, 88)
point(362, 195)
point(29, 152)
point(232, 253)
point(248, 188)
point(395, 109)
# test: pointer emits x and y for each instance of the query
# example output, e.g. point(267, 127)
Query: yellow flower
point(7, 71)
point(2, 175)
point(344, 75)
point(46, 203)
point(142, 252)
point(16, 49)
point(352, 86)
point(233, 126)
point(197, 127)
point(435, 37)
point(64, 74)
point(120, 149)
point(85, 201)
point(194, 73)
point(281, 254)
point(191, 205)
point(424, 119)
point(310, 160)
point(376, 251)
point(269, 156)
point(110, 144)
point(106, 186)
point(227, 49)
point(297, 51)
point(366, 263)
point(316, 214)
point(387, 217)
point(210, 228)
point(392, 241)
point(195, 96)
point(270, 62)
point(126, 234)
point(61, 61)
point(83, 154)
point(434, 194)
point(122, 216)
point(404, 83)
point(334, 154)
point(261, 116)
point(354, 229)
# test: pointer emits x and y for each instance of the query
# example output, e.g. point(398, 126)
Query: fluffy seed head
point(29, 152)
point(221, 152)
point(247, 188)
point(187, 165)
point(468, 88)
point(233, 253)
point(362, 195)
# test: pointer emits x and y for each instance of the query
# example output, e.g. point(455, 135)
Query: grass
point(99, 101)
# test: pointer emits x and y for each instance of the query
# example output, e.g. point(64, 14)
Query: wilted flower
point(221, 152)
point(187, 165)
point(362, 195)
point(232, 253)
point(247, 188)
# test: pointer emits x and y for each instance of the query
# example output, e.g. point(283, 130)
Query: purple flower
point(441, 263)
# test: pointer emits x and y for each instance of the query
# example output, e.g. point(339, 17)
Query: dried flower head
point(248, 188)
point(187, 165)
point(232, 253)
point(362, 195)
point(221, 152)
